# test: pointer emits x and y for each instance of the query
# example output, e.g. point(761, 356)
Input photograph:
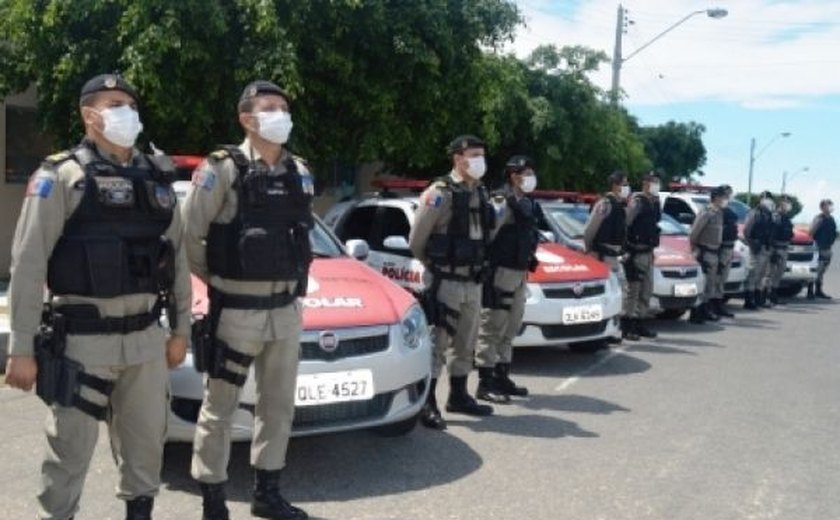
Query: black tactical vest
point(826, 232)
point(643, 233)
point(613, 230)
point(113, 244)
point(268, 239)
point(762, 228)
point(516, 242)
point(782, 230)
point(730, 226)
point(455, 248)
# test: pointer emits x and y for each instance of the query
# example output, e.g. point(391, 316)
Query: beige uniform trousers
point(725, 255)
point(275, 371)
point(759, 262)
point(464, 298)
point(639, 285)
point(614, 262)
point(500, 326)
point(778, 264)
point(709, 262)
point(137, 428)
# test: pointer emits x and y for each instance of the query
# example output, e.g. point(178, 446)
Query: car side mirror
point(685, 218)
point(548, 236)
point(358, 249)
point(396, 243)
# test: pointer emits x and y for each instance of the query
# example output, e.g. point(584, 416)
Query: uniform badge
point(110, 82)
point(39, 186)
point(307, 184)
point(432, 198)
point(204, 178)
point(165, 196)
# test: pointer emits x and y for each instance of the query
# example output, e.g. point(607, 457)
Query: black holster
point(437, 312)
point(210, 354)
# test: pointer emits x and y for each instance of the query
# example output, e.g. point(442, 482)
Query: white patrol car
point(684, 205)
point(365, 359)
point(572, 300)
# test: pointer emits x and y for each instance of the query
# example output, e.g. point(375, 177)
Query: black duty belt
point(251, 302)
point(707, 249)
point(781, 245)
point(92, 324)
point(727, 245)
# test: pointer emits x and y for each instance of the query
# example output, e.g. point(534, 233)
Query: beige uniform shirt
point(54, 193)
point(435, 210)
point(707, 230)
point(600, 211)
point(212, 198)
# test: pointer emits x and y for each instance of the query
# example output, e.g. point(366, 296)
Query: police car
point(677, 279)
point(686, 202)
point(365, 359)
point(572, 299)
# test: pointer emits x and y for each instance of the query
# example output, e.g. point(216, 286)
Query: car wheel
point(672, 314)
point(589, 347)
point(790, 291)
point(397, 429)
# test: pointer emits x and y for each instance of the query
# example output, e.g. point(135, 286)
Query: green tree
point(676, 149)
point(753, 201)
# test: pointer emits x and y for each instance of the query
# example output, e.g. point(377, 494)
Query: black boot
point(460, 401)
point(720, 308)
point(488, 388)
point(213, 501)
point(765, 299)
point(139, 508)
point(267, 501)
point(628, 329)
point(697, 315)
point(430, 414)
point(643, 331)
point(820, 294)
point(505, 383)
point(811, 294)
point(749, 300)
point(709, 312)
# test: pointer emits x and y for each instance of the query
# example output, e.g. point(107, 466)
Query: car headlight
point(414, 327)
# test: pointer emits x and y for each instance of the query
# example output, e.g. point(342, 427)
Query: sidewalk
point(4, 324)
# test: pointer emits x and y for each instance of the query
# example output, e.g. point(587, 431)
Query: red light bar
point(568, 196)
point(188, 162)
point(699, 188)
point(401, 184)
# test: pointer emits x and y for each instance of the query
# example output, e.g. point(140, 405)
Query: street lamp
point(794, 174)
point(754, 156)
point(618, 60)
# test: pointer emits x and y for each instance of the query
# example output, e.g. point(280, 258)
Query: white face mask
point(122, 125)
point(724, 203)
point(275, 126)
point(477, 167)
point(529, 182)
point(654, 189)
point(768, 204)
point(830, 208)
point(625, 191)
point(786, 207)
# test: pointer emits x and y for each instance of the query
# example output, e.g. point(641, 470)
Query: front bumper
point(673, 288)
point(542, 323)
point(400, 379)
point(802, 264)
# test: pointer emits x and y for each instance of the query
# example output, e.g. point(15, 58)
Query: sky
point(769, 67)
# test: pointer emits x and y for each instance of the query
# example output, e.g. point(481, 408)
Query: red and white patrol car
point(572, 300)
point(365, 357)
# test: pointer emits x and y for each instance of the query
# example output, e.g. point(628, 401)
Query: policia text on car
point(100, 227)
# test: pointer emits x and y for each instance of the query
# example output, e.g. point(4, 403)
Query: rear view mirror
point(396, 243)
point(358, 249)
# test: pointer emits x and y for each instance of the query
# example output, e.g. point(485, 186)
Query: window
point(26, 146)
point(358, 224)
point(394, 222)
point(679, 209)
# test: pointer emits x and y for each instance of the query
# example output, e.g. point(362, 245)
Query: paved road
point(733, 421)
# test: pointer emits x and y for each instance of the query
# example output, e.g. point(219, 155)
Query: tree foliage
point(676, 149)
point(753, 201)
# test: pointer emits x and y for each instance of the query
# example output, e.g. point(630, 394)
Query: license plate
point(582, 314)
point(334, 387)
point(685, 289)
point(800, 269)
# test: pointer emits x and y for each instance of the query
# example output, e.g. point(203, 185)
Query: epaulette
point(58, 158)
point(220, 155)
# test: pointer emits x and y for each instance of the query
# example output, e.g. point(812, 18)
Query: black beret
point(464, 142)
point(651, 177)
point(727, 188)
point(718, 192)
point(519, 163)
point(105, 82)
point(261, 87)
point(785, 198)
point(766, 195)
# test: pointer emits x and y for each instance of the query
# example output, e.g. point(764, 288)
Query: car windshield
point(669, 226)
point(570, 219)
point(701, 202)
point(740, 209)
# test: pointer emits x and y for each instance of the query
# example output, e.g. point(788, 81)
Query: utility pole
point(617, 58)
point(752, 163)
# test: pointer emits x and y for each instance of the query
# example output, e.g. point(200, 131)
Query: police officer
point(605, 234)
point(705, 238)
point(247, 219)
point(453, 226)
point(824, 230)
point(100, 228)
point(511, 257)
point(782, 235)
point(758, 233)
point(727, 248)
point(643, 214)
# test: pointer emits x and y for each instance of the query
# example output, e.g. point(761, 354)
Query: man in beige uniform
point(107, 248)
point(643, 215)
point(453, 226)
point(247, 220)
point(705, 238)
point(511, 257)
point(605, 237)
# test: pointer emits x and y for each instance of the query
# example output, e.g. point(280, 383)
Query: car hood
point(801, 237)
point(342, 292)
point(673, 250)
point(561, 264)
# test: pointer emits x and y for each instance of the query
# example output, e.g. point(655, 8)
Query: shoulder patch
point(204, 177)
point(40, 185)
point(432, 197)
point(307, 183)
point(603, 208)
